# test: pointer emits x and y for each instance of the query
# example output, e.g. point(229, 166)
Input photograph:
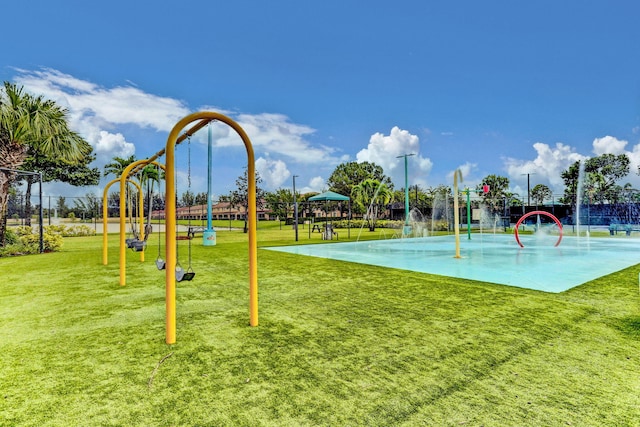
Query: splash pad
point(494, 258)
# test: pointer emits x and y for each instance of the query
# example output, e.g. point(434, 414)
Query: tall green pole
point(209, 186)
point(407, 228)
point(406, 193)
point(468, 214)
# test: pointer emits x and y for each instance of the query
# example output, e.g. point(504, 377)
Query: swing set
point(174, 272)
point(202, 119)
point(105, 223)
point(180, 272)
point(139, 240)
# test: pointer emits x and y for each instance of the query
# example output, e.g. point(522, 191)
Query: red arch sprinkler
point(527, 215)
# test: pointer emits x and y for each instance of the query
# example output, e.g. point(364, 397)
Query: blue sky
point(497, 87)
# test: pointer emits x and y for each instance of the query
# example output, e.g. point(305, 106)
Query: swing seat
point(184, 276)
point(160, 264)
point(183, 237)
point(138, 245)
point(129, 242)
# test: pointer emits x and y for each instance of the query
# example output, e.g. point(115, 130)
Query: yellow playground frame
point(105, 213)
point(203, 118)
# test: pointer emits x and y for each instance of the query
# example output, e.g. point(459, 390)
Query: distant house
point(220, 210)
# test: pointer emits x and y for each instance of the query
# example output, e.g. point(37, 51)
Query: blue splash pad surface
point(491, 258)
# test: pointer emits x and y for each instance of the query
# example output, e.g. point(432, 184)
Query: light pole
point(407, 228)
point(295, 207)
point(529, 187)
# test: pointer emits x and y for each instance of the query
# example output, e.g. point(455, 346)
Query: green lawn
point(338, 344)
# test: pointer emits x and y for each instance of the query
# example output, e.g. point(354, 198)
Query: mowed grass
point(339, 344)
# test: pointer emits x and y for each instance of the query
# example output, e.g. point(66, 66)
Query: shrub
point(24, 230)
point(16, 249)
point(441, 225)
point(22, 241)
point(72, 231)
point(359, 223)
point(79, 230)
point(10, 237)
point(57, 229)
point(51, 241)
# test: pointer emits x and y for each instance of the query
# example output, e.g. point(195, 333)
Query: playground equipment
point(525, 216)
point(139, 240)
point(105, 215)
point(467, 191)
point(160, 263)
point(209, 234)
point(203, 118)
point(170, 262)
point(181, 273)
point(124, 177)
point(456, 211)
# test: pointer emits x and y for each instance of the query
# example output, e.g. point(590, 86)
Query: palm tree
point(118, 165)
point(369, 196)
point(28, 122)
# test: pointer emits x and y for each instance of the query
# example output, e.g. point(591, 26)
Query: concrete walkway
point(112, 227)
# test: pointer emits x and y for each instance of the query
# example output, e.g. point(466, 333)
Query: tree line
point(35, 137)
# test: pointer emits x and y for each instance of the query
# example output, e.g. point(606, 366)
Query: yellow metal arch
point(105, 213)
point(124, 177)
point(205, 117)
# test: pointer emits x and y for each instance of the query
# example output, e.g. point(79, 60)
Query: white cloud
point(467, 168)
point(550, 162)
point(384, 150)
point(612, 145)
point(546, 167)
point(116, 106)
point(97, 113)
point(113, 145)
point(608, 145)
point(123, 120)
point(316, 185)
point(273, 172)
point(281, 137)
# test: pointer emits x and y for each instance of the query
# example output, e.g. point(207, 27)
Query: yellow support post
point(105, 213)
point(105, 222)
point(204, 118)
point(141, 219)
point(123, 244)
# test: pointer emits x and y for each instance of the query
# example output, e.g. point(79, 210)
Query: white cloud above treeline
point(112, 119)
point(548, 165)
point(384, 150)
point(551, 161)
point(105, 117)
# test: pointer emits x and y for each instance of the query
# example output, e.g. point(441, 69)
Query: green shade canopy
point(328, 196)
